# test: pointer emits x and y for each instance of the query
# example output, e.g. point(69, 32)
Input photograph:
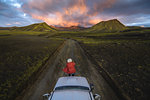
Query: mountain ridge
point(35, 27)
point(112, 25)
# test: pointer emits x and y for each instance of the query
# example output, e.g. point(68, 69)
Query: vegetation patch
point(8, 32)
point(126, 61)
point(21, 56)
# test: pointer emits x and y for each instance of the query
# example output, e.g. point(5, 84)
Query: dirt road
point(53, 71)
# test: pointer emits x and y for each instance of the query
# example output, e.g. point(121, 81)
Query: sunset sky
point(74, 12)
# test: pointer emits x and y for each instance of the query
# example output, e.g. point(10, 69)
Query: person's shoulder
point(73, 62)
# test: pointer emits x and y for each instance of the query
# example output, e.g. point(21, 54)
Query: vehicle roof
point(72, 81)
point(71, 95)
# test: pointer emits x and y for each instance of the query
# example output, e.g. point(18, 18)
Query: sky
point(68, 13)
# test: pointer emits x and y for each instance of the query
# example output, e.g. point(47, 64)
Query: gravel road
point(53, 70)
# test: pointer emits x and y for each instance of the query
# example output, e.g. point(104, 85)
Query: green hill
point(108, 26)
point(5, 28)
point(35, 27)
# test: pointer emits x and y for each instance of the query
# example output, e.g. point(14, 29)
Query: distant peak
point(113, 20)
point(43, 23)
point(109, 26)
point(110, 21)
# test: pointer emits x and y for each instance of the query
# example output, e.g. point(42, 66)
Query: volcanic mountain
point(35, 27)
point(108, 26)
point(5, 28)
point(104, 26)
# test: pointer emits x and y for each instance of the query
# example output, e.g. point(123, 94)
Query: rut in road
point(46, 81)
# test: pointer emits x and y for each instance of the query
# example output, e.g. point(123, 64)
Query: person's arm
point(64, 69)
point(74, 63)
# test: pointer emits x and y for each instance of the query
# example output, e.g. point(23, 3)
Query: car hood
point(71, 95)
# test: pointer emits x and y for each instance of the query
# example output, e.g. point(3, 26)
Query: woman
point(70, 67)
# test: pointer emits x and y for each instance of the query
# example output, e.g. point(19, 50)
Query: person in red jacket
point(70, 67)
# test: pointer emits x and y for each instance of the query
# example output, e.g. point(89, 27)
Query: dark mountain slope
point(108, 26)
point(35, 27)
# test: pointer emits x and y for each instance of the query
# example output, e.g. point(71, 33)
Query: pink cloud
point(67, 12)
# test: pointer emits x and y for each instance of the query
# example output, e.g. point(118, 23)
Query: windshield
point(71, 87)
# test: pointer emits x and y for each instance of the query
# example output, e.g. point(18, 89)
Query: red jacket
point(70, 68)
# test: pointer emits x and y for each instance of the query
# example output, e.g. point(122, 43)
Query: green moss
point(125, 60)
point(21, 57)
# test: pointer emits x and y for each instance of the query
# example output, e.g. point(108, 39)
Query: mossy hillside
point(108, 26)
point(35, 27)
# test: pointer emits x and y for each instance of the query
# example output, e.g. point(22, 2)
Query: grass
point(141, 33)
point(8, 32)
point(127, 62)
point(21, 57)
point(124, 55)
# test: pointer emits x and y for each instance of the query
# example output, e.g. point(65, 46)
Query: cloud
point(6, 10)
point(67, 12)
point(8, 24)
point(12, 15)
point(74, 12)
point(130, 12)
point(129, 7)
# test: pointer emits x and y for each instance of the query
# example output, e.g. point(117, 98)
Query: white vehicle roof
point(72, 81)
point(71, 88)
point(71, 95)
